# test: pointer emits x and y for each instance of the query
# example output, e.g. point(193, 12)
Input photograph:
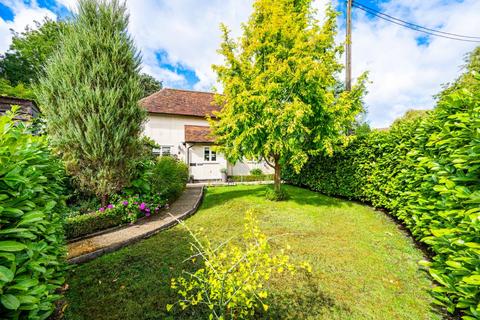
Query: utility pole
point(348, 49)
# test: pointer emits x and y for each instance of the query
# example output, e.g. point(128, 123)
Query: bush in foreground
point(233, 282)
point(31, 236)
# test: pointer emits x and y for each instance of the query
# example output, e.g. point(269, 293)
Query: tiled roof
point(181, 102)
point(198, 134)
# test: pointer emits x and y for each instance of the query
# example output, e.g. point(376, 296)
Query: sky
point(179, 41)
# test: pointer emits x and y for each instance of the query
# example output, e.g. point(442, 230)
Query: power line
point(415, 27)
point(412, 24)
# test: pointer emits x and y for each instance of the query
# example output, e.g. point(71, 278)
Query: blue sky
point(179, 39)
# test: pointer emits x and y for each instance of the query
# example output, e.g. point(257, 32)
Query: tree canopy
point(149, 84)
point(29, 51)
point(280, 87)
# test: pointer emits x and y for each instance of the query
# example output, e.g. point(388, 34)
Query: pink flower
point(125, 203)
point(142, 206)
point(110, 206)
point(101, 209)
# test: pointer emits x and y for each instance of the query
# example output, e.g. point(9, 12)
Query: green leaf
point(475, 279)
point(11, 246)
point(30, 217)
point(169, 307)
point(6, 275)
point(10, 302)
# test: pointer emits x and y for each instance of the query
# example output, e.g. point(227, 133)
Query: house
point(177, 122)
point(28, 108)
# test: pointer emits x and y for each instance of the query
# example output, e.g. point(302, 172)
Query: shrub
point(232, 284)
point(256, 172)
point(425, 171)
point(276, 195)
point(31, 236)
point(168, 177)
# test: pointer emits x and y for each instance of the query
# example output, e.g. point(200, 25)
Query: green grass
point(364, 267)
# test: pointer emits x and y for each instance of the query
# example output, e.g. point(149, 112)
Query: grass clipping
point(232, 283)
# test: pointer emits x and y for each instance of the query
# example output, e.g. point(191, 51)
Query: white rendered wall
point(169, 130)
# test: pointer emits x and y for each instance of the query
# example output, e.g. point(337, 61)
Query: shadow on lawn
point(134, 283)
point(296, 194)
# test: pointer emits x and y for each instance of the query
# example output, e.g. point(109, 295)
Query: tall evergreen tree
point(280, 87)
point(90, 95)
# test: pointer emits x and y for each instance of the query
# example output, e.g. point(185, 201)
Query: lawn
point(364, 267)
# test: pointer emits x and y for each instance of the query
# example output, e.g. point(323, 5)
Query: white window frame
point(208, 153)
point(162, 151)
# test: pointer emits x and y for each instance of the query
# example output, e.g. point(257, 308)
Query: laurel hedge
point(31, 235)
point(426, 171)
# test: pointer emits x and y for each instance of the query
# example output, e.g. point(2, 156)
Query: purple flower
point(110, 206)
point(147, 212)
point(156, 209)
point(125, 203)
point(142, 206)
point(101, 209)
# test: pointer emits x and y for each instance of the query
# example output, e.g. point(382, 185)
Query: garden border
point(94, 254)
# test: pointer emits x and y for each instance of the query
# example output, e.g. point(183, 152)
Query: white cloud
point(188, 30)
point(23, 15)
point(405, 75)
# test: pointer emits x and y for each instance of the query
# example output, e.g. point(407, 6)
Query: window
point(166, 150)
point(209, 155)
point(163, 151)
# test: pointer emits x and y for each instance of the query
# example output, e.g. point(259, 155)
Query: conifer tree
point(90, 93)
point(280, 87)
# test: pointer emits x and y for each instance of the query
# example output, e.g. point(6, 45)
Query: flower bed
point(124, 211)
point(161, 182)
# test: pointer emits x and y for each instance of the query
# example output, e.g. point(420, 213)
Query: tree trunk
point(104, 200)
point(277, 182)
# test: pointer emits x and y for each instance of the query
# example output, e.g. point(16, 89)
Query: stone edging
point(94, 254)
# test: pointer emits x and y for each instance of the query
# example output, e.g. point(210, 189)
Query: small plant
point(276, 195)
point(223, 170)
point(233, 283)
point(256, 172)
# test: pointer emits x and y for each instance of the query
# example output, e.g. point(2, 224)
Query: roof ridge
point(188, 90)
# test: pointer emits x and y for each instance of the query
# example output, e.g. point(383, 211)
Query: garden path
point(89, 248)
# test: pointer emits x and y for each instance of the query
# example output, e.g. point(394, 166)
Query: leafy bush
point(276, 195)
point(168, 177)
point(232, 284)
point(31, 236)
point(256, 172)
point(426, 171)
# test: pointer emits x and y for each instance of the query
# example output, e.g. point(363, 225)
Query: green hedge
point(31, 237)
point(258, 177)
point(426, 171)
point(85, 224)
